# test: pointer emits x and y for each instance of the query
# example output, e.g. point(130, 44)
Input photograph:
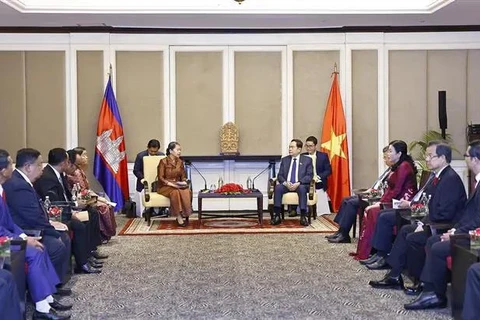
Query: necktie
point(435, 181)
point(4, 196)
point(417, 196)
point(63, 188)
point(294, 171)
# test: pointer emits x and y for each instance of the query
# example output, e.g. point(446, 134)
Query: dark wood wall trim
point(351, 29)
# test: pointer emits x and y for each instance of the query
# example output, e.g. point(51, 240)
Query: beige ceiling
point(460, 12)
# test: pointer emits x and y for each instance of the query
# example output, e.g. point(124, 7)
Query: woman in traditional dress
point(172, 183)
point(401, 184)
point(108, 224)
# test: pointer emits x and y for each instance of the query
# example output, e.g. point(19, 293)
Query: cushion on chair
point(291, 198)
point(156, 200)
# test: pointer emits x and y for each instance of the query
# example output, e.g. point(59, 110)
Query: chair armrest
point(33, 233)
point(146, 190)
point(311, 190)
point(461, 239)
point(18, 243)
point(271, 187)
point(436, 227)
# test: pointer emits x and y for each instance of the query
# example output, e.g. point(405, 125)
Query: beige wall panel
point(407, 95)
point(139, 91)
point(364, 113)
point(258, 102)
point(473, 81)
point(89, 97)
point(45, 87)
point(447, 70)
point(12, 101)
point(312, 81)
point(199, 99)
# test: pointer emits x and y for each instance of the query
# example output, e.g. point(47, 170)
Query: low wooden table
point(208, 195)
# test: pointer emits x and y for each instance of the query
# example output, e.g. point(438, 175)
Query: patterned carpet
point(168, 226)
point(254, 276)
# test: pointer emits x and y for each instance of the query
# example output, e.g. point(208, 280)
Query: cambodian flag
point(110, 167)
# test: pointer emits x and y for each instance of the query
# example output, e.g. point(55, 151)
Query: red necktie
point(435, 181)
point(4, 196)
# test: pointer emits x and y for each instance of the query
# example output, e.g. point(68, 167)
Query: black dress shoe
point(380, 264)
point(331, 236)
point(95, 265)
point(292, 213)
point(60, 306)
point(370, 260)
point(340, 239)
point(93, 260)
point(98, 255)
point(388, 282)
point(86, 268)
point(304, 220)
point(276, 220)
point(414, 290)
point(427, 300)
point(51, 315)
point(63, 291)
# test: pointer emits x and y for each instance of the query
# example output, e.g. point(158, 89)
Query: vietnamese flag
point(334, 143)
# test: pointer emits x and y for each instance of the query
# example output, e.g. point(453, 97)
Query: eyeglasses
point(430, 157)
point(466, 155)
point(310, 145)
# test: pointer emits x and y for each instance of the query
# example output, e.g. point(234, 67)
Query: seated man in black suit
point(471, 305)
point(321, 170)
point(434, 273)
point(295, 175)
point(51, 184)
point(9, 300)
point(153, 148)
point(445, 206)
point(27, 211)
point(345, 217)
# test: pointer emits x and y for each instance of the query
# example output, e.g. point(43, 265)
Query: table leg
point(200, 211)
point(260, 209)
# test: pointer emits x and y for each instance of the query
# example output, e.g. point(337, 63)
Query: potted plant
point(418, 148)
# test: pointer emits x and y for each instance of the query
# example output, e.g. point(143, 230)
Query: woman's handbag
point(154, 187)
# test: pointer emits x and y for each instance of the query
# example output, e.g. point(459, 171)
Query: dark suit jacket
point(7, 227)
point(323, 168)
point(25, 206)
point(138, 168)
point(448, 197)
point(49, 185)
point(471, 213)
point(305, 169)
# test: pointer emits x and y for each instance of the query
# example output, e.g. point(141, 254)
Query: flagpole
point(110, 71)
point(335, 69)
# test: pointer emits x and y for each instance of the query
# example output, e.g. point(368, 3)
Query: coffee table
point(208, 195)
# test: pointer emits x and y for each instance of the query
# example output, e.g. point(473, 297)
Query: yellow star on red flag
point(334, 145)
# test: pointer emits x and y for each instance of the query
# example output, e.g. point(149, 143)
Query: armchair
point(151, 199)
point(291, 198)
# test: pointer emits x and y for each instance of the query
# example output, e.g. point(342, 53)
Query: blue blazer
point(448, 197)
point(323, 168)
point(305, 169)
point(7, 227)
point(471, 214)
point(138, 168)
point(25, 206)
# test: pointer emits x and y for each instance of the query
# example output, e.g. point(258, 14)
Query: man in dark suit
point(471, 307)
point(447, 198)
point(42, 278)
point(27, 211)
point(295, 175)
point(321, 168)
point(434, 273)
point(51, 184)
point(153, 148)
